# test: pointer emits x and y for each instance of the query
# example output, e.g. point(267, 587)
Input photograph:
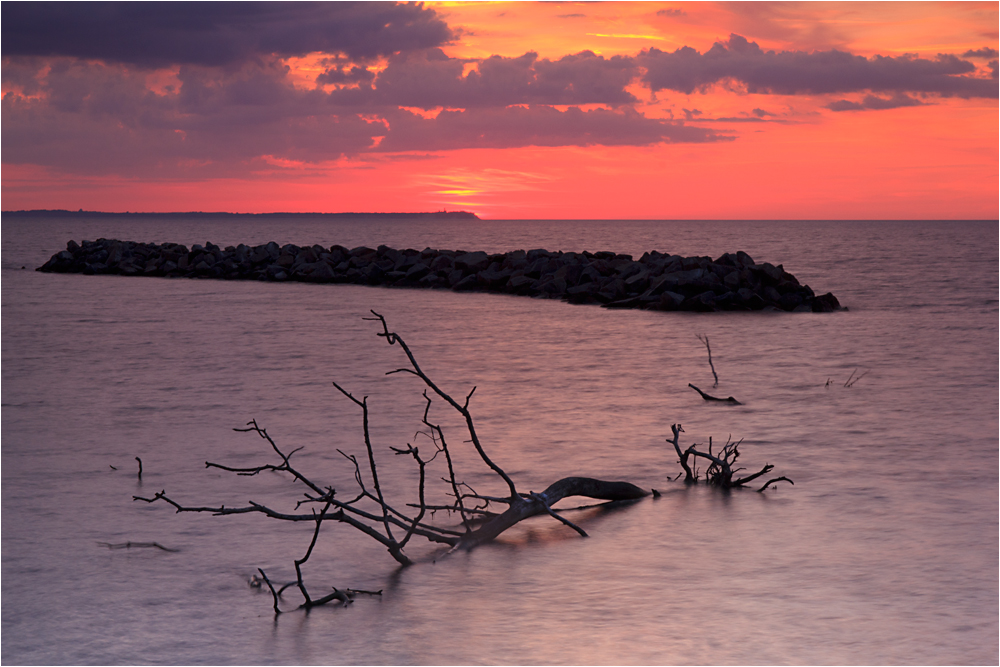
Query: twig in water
point(776, 479)
point(850, 383)
point(140, 467)
point(137, 545)
point(704, 339)
point(274, 596)
point(708, 397)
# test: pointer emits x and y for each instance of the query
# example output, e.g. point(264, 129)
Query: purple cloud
point(795, 72)
point(984, 53)
point(872, 102)
point(80, 99)
point(157, 34)
point(429, 79)
point(536, 126)
point(102, 118)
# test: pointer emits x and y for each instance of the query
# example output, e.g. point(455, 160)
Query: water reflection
point(884, 551)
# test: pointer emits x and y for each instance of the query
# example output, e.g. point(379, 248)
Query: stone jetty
point(655, 281)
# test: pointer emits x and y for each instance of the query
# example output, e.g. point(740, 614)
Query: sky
point(558, 110)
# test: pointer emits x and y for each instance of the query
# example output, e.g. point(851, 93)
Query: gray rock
point(553, 287)
point(322, 273)
point(494, 278)
point(789, 301)
point(703, 303)
point(417, 271)
point(472, 261)
point(671, 300)
point(521, 285)
point(825, 303)
point(441, 263)
point(770, 294)
point(363, 251)
point(467, 284)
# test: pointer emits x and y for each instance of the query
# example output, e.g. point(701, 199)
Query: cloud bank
point(159, 34)
point(796, 72)
point(206, 88)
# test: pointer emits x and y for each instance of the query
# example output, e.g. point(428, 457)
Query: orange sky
point(932, 156)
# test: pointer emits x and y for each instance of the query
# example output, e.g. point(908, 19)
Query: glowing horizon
point(509, 110)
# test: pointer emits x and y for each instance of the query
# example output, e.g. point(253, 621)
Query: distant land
point(62, 213)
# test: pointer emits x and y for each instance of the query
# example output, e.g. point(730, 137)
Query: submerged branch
point(371, 513)
point(708, 397)
point(704, 339)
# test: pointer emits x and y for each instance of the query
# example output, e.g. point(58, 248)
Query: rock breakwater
point(655, 281)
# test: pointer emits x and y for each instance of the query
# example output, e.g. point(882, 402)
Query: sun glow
point(561, 133)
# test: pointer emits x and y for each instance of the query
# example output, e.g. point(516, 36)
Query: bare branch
point(707, 397)
point(689, 477)
point(274, 595)
point(772, 481)
point(137, 545)
point(298, 563)
point(849, 383)
point(704, 339)
point(436, 428)
point(545, 504)
point(370, 512)
point(393, 338)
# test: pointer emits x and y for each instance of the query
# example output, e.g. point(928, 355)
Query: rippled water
point(884, 550)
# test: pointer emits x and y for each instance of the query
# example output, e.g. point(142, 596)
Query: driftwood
point(368, 510)
point(475, 518)
point(720, 470)
point(704, 340)
point(850, 382)
point(708, 397)
point(136, 545)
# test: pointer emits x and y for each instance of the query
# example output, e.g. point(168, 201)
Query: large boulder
point(472, 262)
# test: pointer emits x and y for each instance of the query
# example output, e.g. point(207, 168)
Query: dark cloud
point(346, 76)
point(430, 79)
point(156, 34)
point(571, 16)
point(100, 119)
point(78, 103)
point(671, 12)
point(984, 53)
point(733, 119)
point(536, 126)
point(792, 72)
point(872, 102)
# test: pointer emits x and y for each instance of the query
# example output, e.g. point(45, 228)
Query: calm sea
point(884, 551)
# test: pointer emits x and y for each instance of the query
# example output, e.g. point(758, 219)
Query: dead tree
point(477, 518)
point(720, 470)
point(368, 510)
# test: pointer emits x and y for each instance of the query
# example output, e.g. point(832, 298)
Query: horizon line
point(467, 215)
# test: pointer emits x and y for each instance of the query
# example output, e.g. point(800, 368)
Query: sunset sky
point(512, 110)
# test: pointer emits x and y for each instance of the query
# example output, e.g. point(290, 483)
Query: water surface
point(884, 550)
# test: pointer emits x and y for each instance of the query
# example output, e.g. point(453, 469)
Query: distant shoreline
point(63, 213)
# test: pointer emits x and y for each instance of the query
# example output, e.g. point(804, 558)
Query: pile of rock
point(656, 281)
